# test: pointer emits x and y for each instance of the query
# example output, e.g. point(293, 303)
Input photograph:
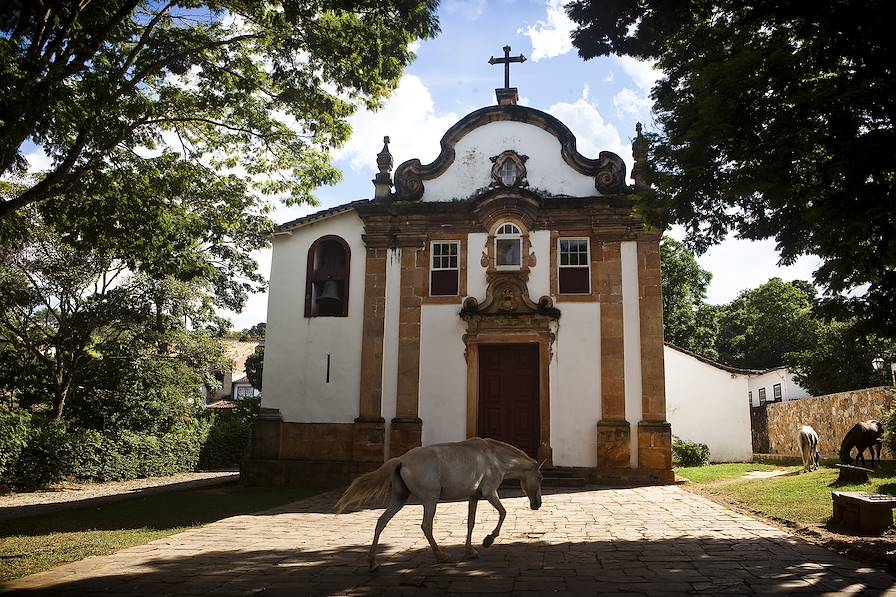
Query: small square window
point(574, 276)
point(444, 268)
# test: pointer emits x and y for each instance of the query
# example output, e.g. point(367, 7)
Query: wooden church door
point(508, 395)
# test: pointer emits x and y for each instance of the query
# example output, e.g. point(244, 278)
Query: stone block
point(405, 433)
point(613, 445)
point(368, 439)
point(655, 446)
point(266, 437)
point(316, 441)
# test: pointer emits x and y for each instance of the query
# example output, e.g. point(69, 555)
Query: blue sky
point(600, 100)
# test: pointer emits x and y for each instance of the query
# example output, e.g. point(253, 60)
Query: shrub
point(889, 421)
point(14, 427)
point(686, 453)
point(46, 457)
point(228, 439)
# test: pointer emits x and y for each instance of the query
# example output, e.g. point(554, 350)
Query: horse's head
point(531, 484)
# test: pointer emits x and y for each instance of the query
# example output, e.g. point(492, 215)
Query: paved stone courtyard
point(649, 541)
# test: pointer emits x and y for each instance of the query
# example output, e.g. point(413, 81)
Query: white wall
point(708, 405)
point(789, 389)
point(631, 330)
point(471, 169)
point(390, 341)
point(575, 385)
point(443, 375)
point(296, 348)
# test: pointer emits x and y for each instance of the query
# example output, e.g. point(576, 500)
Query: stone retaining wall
point(831, 416)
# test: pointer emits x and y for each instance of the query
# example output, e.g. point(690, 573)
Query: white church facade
point(505, 290)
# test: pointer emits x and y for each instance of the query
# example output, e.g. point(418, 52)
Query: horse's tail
point(370, 486)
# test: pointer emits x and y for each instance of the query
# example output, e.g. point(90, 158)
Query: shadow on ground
point(672, 566)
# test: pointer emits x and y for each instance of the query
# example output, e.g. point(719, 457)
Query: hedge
point(227, 441)
point(14, 428)
point(36, 452)
point(51, 452)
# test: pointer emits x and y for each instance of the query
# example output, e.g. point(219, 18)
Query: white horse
point(470, 469)
point(808, 441)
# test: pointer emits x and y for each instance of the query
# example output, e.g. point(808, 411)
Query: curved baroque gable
point(608, 170)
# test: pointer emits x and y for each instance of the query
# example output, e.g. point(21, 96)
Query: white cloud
point(38, 161)
point(593, 133)
point(644, 73)
point(609, 77)
point(629, 101)
point(551, 37)
point(739, 265)
point(470, 9)
point(408, 118)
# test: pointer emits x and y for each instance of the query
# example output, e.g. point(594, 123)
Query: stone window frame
point(433, 268)
point(762, 396)
point(446, 299)
point(595, 255)
point(311, 275)
point(587, 265)
point(777, 393)
point(505, 236)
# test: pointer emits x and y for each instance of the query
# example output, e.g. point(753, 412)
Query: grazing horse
point(808, 441)
point(470, 469)
point(867, 435)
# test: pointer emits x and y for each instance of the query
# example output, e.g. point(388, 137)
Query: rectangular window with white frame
point(444, 270)
point(574, 266)
point(761, 396)
point(776, 391)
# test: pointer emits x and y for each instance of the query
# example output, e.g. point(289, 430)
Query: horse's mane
point(510, 452)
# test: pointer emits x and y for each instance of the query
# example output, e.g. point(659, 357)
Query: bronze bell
point(330, 292)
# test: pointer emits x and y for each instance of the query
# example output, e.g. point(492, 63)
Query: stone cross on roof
point(506, 62)
point(506, 95)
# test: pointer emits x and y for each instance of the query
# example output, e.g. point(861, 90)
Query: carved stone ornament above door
point(507, 306)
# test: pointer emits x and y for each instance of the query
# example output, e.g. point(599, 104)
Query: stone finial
point(640, 148)
point(382, 183)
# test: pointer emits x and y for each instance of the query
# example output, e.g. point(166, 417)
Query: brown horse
point(867, 435)
point(470, 469)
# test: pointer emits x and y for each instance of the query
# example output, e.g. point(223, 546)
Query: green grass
point(720, 472)
point(37, 543)
point(800, 498)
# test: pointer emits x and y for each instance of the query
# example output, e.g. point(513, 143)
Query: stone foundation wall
point(831, 416)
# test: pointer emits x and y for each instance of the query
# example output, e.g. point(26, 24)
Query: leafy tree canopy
point(761, 325)
point(688, 322)
point(773, 122)
point(840, 360)
point(258, 89)
point(92, 341)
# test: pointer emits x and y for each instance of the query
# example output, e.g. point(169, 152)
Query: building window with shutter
point(574, 266)
point(776, 392)
point(444, 268)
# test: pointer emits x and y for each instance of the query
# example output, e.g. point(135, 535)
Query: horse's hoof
point(487, 542)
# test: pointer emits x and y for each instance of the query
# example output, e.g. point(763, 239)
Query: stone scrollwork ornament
point(610, 173)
